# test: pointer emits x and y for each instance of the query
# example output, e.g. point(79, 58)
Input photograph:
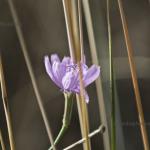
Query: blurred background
point(44, 30)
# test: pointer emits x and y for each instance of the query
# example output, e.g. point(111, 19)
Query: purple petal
point(50, 71)
point(48, 67)
point(57, 73)
point(66, 81)
point(74, 82)
point(86, 96)
point(66, 60)
point(54, 57)
point(91, 75)
point(84, 69)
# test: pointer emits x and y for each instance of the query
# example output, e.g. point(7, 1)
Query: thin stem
point(30, 69)
point(6, 106)
point(101, 130)
point(74, 40)
point(66, 117)
point(67, 9)
point(80, 53)
point(2, 141)
point(112, 96)
point(134, 77)
point(93, 49)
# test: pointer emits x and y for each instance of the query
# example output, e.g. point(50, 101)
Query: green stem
point(112, 92)
point(66, 117)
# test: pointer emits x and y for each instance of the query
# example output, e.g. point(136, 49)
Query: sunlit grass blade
point(6, 106)
point(101, 130)
point(72, 23)
point(94, 54)
point(2, 141)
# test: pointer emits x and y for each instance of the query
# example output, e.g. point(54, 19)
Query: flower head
point(65, 74)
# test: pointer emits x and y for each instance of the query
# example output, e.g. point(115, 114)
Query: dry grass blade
point(79, 54)
point(6, 106)
point(30, 69)
point(101, 129)
point(134, 77)
point(67, 9)
point(72, 23)
point(2, 141)
point(102, 108)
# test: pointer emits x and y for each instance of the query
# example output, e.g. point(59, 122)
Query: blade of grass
point(72, 23)
point(80, 55)
point(112, 91)
point(101, 130)
point(134, 77)
point(102, 108)
point(6, 106)
point(2, 141)
point(67, 9)
point(30, 69)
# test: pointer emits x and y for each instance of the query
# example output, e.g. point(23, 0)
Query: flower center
point(72, 67)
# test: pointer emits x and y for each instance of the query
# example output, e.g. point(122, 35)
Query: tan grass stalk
point(101, 130)
point(102, 108)
point(72, 23)
point(6, 107)
point(80, 55)
point(30, 69)
point(134, 77)
point(2, 141)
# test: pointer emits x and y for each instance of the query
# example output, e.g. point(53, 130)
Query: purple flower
point(65, 74)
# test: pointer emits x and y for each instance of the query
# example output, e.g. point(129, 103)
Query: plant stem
point(2, 141)
point(95, 60)
point(134, 77)
point(30, 69)
point(6, 106)
point(112, 91)
point(66, 118)
point(101, 130)
point(72, 24)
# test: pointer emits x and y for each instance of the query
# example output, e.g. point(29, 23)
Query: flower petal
point(86, 96)
point(91, 75)
point(66, 81)
point(49, 70)
point(48, 66)
point(54, 57)
point(57, 73)
point(66, 60)
point(74, 82)
point(84, 69)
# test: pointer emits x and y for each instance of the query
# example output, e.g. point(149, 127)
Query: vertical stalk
point(80, 55)
point(30, 69)
point(2, 141)
point(134, 77)
point(72, 25)
point(112, 96)
point(101, 103)
point(6, 107)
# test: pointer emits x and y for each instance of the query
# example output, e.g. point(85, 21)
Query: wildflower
point(65, 74)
